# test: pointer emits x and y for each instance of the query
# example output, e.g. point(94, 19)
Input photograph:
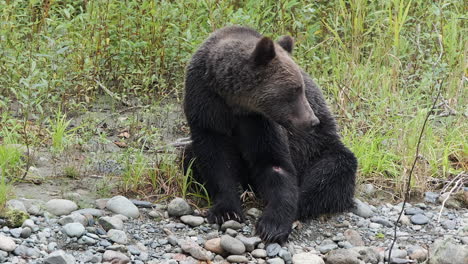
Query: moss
point(15, 218)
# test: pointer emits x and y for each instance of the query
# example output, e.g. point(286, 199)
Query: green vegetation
point(379, 64)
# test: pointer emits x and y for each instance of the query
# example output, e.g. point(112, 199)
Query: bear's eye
point(298, 89)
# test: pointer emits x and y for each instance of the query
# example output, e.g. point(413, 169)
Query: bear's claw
point(221, 214)
point(273, 231)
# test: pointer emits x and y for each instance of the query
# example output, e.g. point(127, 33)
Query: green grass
point(376, 61)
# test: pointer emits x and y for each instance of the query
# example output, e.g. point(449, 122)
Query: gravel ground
point(119, 230)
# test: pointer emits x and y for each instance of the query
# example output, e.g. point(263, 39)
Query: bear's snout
point(304, 117)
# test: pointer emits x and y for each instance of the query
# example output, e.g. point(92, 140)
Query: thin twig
point(448, 196)
point(28, 152)
point(408, 183)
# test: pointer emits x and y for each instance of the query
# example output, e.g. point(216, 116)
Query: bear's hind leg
point(328, 186)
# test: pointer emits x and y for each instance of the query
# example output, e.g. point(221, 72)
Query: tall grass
point(377, 62)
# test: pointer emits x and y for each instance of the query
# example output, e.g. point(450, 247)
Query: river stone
point(341, 256)
point(369, 254)
point(192, 220)
point(109, 223)
point(73, 218)
point(234, 225)
point(74, 229)
point(417, 253)
point(275, 261)
point(447, 252)
point(237, 259)
point(26, 232)
point(232, 245)
point(178, 207)
point(7, 244)
point(249, 242)
point(324, 249)
point(214, 245)
point(16, 205)
point(396, 253)
point(25, 251)
point(419, 219)
point(259, 253)
point(91, 211)
point(59, 257)
point(413, 211)
point(195, 250)
point(273, 249)
point(60, 206)
point(362, 209)
point(307, 258)
point(353, 237)
point(121, 205)
point(115, 257)
point(117, 236)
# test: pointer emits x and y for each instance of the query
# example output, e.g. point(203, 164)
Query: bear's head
point(278, 91)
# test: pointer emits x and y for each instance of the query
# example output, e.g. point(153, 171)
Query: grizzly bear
point(257, 120)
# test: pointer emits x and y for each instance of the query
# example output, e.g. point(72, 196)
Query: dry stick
point(408, 183)
point(458, 183)
point(28, 152)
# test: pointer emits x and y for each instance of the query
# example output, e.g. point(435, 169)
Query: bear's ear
point(264, 51)
point(287, 43)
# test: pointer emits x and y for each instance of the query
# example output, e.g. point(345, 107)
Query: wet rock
point(108, 223)
point(214, 245)
point(273, 249)
point(117, 236)
point(16, 232)
point(178, 207)
point(249, 242)
point(232, 245)
point(59, 257)
point(192, 220)
point(431, 197)
point(115, 257)
point(7, 244)
point(447, 252)
point(121, 205)
point(353, 237)
point(307, 258)
point(234, 225)
point(73, 229)
point(419, 219)
point(60, 206)
point(362, 209)
point(237, 259)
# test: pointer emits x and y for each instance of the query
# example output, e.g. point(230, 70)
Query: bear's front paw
point(221, 213)
point(273, 229)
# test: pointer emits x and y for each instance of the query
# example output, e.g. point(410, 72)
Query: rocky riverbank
point(119, 230)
